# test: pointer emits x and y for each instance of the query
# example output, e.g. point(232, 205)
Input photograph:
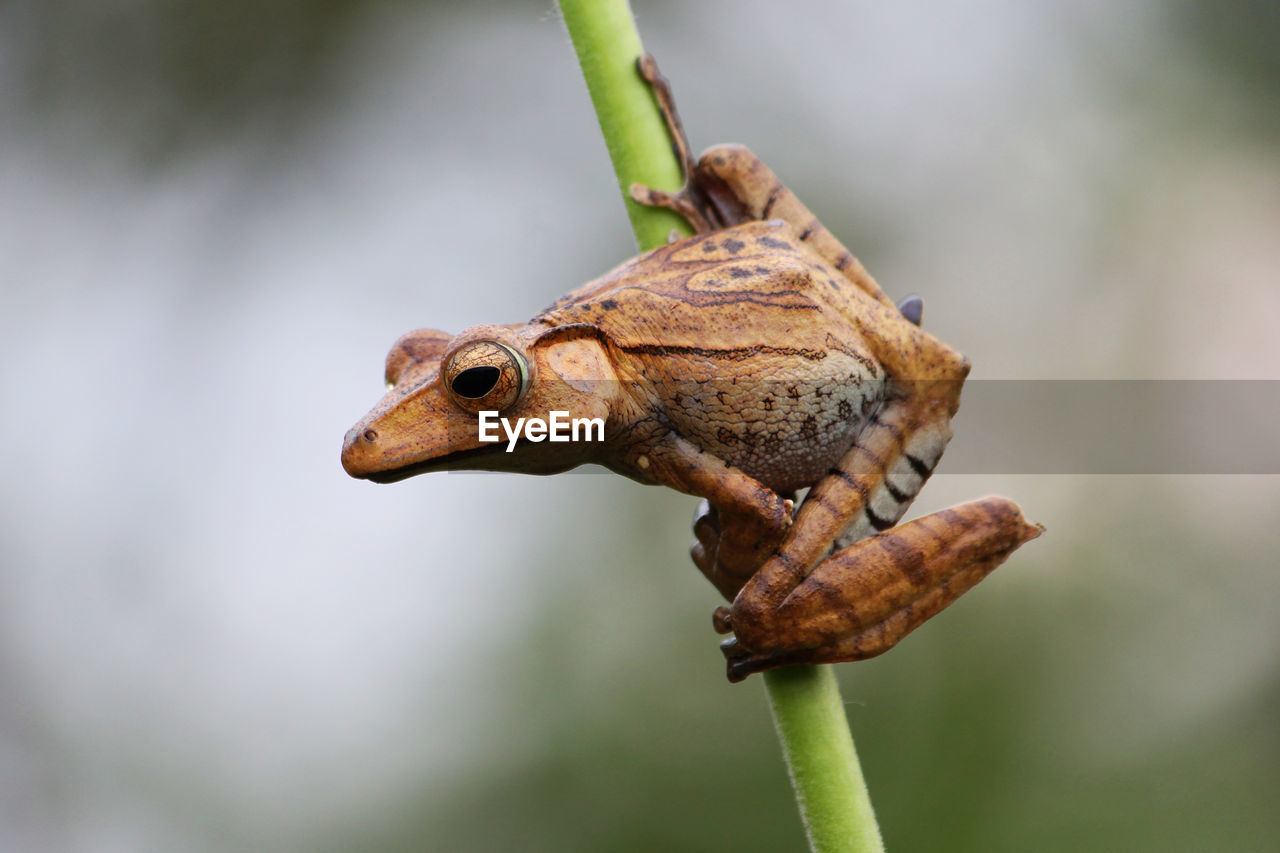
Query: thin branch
point(605, 38)
point(807, 710)
point(809, 716)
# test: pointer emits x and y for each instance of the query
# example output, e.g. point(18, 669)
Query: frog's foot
point(739, 662)
point(689, 201)
point(648, 68)
point(862, 600)
point(729, 555)
point(680, 202)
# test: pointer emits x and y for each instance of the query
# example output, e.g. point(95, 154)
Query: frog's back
point(745, 339)
point(750, 285)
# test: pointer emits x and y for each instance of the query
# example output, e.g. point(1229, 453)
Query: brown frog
point(752, 360)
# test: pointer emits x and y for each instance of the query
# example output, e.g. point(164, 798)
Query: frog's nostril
point(359, 450)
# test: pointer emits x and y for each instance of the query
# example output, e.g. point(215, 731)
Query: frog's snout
point(377, 449)
point(360, 450)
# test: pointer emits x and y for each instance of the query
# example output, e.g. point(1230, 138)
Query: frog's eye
point(486, 376)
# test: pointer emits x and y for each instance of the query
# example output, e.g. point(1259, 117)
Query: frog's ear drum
point(912, 308)
point(486, 376)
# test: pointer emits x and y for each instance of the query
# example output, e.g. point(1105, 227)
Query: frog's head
point(447, 394)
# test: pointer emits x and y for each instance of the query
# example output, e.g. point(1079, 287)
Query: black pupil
point(475, 382)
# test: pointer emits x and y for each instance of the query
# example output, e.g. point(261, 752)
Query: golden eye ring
point(486, 376)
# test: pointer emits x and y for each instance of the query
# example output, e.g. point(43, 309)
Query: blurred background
point(216, 218)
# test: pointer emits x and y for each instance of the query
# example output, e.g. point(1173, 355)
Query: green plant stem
point(809, 716)
point(807, 709)
point(605, 38)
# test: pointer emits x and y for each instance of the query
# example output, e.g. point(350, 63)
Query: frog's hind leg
point(742, 188)
point(729, 185)
point(862, 600)
point(865, 493)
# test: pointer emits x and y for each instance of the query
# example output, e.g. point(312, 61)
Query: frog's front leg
point(862, 600)
point(754, 517)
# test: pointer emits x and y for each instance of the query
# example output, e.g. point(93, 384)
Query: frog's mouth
point(459, 460)
point(498, 456)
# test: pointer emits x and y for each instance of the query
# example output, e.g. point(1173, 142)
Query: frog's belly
point(786, 433)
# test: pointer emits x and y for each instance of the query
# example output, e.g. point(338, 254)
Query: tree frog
point(746, 363)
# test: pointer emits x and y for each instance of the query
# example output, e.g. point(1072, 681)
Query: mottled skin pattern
point(739, 339)
point(750, 361)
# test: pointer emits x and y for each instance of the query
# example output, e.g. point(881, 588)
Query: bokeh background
point(215, 217)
